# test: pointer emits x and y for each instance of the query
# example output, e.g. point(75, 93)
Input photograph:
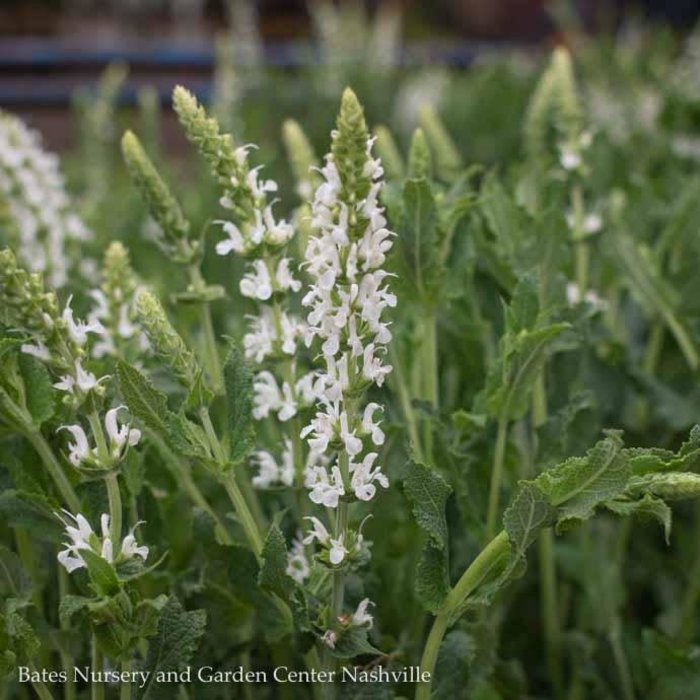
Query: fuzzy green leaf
point(32, 513)
point(273, 571)
point(640, 271)
point(580, 484)
point(70, 605)
point(420, 241)
point(179, 634)
point(528, 513)
point(144, 401)
point(38, 390)
point(647, 506)
point(238, 380)
point(14, 580)
point(428, 492)
point(102, 574)
point(432, 578)
point(457, 652)
point(353, 642)
point(510, 382)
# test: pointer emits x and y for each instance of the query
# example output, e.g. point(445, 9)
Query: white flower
point(574, 297)
point(361, 617)
point(277, 233)
point(337, 551)
point(79, 449)
point(82, 537)
point(120, 437)
point(363, 478)
point(130, 547)
point(317, 533)
point(83, 379)
point(258, 343)
point(297, 563)
point(257, 284)
point(40, 351)
point(269, 398)
point(346, 301)
point(369, 427)
point(259, 189)
point(285, 279)
point(326, 490)
point(569, 158)
point(329, 638)
point(270, 472)
point(592, 223)
point(78, 330)
point(234, 242)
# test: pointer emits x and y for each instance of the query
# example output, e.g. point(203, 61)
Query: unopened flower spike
point(174, 230)
point(166, 341)
point(420, 162)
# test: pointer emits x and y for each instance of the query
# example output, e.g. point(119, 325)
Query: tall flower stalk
point(272, 342)
point(347, 299)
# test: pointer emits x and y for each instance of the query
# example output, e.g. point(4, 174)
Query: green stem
point(210, 350)
point(582, 250)
point(684, 342)
point(692, 593)
point(245, 517)
point(125, 687)
point(429, 363)
point(489, 558)
point(98, 434)
point(41, 689)
point(550, 609)
point(183, 477)
point(65, 488)
point(97, 689)
point(66, 661)
point(496, 476)
point(654, 347)
point(623, 670)
point(115, 508)
point(111, 480)
point(401, 386)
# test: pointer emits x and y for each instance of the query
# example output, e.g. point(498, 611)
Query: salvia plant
point(385, 422)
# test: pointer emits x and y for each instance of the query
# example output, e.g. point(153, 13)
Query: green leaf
point(238, 380)
point(144, 401)
point(528, 513)
point(24, 638)
point(38, 390)
point(353, 642)
point(580, 484)
point(70, 605)
point(457, 652)
point(32, 513)
point(420, 241)
point(432, 578)
point(187, 438)
point(674, 672)
point(503, 216)
point(273, 571)
point(647, 506)
point(428, 492)
point(102, 574)
point(14, 580)
point(510, 382)
point(641, 273)
point(179, 634)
